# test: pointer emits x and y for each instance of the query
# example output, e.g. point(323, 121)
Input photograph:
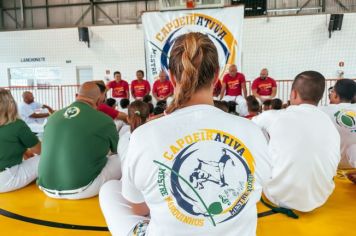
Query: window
point(35, 76)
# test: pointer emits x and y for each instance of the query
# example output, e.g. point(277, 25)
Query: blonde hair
point(8, 108)
point(193, 62)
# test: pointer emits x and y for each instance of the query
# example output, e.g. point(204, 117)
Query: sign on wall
point(222, 25)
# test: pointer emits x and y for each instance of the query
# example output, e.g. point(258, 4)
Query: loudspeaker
point(83, 34)
point(335, 22)
point(252, 7)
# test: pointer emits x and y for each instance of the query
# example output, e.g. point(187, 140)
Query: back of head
point(345, 90)
point(252, 104)
point(147, 98)
point(232, 106)
point(8, 108)
point(89, 91)
point(222, 105)
point(110, 102)
point(193, 62)
point(124, 103)
point(138, 112)
point(162, 104)
point(310, 86)
point(101, 85)
point(158, 110)
point(276, 104)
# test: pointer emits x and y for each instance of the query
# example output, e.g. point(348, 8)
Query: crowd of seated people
point(151, 158)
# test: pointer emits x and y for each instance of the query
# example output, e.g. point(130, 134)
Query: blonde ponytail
point(193, 62)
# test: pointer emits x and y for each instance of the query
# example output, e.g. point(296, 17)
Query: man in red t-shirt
point(140, 87)
point(233, 87)
point(217, 89)
point(162, 88)
point(264, 87)
point(120, 88)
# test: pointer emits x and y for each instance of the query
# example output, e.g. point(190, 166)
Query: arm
point(51, 111)
point(133, 91)
point(40, 115)
point(274, 92)
point(30, 152)
point(244, 90)
point(148, 87)
point(254, 93)
point(223, 89)
point(140, 209)
point(122, 116)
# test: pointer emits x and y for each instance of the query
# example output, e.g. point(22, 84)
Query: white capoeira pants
point(348, 158)
point(112, 170)
point(241, 107)
point(19, 176)
point(117, 212)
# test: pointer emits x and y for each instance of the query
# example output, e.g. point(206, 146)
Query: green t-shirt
point(75, 144)
point(15, 138)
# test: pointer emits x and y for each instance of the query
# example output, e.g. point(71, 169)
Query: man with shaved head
point(304, 148)
point(264, 87)
point(75, 153)
point(33, 112)
point(234, 89)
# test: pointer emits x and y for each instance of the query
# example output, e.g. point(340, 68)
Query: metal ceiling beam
point(342, 5)
point(12, 18)
point(303, 6)
point(82, 16)
point(75, 4)
point(105, 14)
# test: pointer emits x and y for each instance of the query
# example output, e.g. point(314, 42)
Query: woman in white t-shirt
point(138, 113)
point(195, 171)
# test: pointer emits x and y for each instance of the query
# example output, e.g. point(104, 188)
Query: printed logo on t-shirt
point(206, 176)
point(265, 87)
point(346, 119)
point(233, 84)
point(71, 112)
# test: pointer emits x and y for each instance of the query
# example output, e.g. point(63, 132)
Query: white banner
point(222, 25)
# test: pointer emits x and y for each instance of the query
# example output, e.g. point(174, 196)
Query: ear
point(293, 96)
point(172, 78)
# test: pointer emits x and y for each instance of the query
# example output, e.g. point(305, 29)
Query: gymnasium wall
point(286, 45)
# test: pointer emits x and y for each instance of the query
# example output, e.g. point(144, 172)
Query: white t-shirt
point(123, 146)
point(343, 116)
point(266, 119)
point(200, 171)
point(124, 129)
point(26, 110)
point(304, 149)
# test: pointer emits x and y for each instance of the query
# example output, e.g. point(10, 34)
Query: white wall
point(285, 45)
point(112, 47)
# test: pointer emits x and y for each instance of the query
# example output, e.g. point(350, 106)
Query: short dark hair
point(276, 104)
point(158, 110)
point(268, 102)
point(147, 98)
point(232, 106)
point(141, 71)
point(101, 86)
point(345, 89)
point(222, 105)
point(124, 103)
point(117, 73)
point(162, 104)
point(110, 102)
point(252, 104)
point(310, 85)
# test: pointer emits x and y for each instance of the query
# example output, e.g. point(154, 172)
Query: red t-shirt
point(119, 89)
point(108, 110)
point(162, 89)
point(140, 88)
point(264, 87)
point(233, 84)
point(249, 116)
point(217, 88)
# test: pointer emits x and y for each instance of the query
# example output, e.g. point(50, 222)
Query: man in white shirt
point(33, 112)
point(343, 115)
point(304, 149)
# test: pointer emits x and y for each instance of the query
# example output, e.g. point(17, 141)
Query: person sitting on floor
point(304, 149)
point(75, 160)
point(17, 142)
point(343, 115)
point(253, 107)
